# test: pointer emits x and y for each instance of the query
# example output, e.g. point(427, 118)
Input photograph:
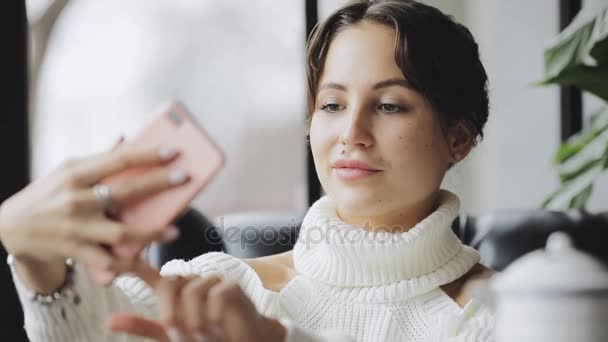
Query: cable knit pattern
point(351, 285)
point(383, 266)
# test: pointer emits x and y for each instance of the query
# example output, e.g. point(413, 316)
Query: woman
point(397, 95)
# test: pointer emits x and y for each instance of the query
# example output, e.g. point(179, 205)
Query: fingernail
point(171, 234)
point(175, 335)
point(177, 177)
point(167, 153)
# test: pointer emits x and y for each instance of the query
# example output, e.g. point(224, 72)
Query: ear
point(461, 139)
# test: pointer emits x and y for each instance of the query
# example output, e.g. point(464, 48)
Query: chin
point(357, 202)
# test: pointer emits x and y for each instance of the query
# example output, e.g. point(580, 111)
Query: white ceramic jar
point(558, 294)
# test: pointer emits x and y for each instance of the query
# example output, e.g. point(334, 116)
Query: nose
point(357, 129)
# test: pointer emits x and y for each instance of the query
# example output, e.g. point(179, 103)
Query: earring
point(457, 156)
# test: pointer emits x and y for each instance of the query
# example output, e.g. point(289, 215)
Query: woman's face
point(377, 144)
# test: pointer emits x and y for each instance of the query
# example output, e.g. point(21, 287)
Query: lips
point(350, 169)
point(353, 164)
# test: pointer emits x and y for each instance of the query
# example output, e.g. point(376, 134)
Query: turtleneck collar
point(428, 255)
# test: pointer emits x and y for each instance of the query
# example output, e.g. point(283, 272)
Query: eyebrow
point(394, 82)
point(332, 85)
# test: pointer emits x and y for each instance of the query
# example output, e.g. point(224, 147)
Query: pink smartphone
point(199, 156)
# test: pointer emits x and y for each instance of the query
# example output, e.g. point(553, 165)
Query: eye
point(390, 108)
point(332, 107)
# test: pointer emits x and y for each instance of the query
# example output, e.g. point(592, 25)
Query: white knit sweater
point(351, 285)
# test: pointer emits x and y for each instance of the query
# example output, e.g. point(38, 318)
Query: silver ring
point(102, 193)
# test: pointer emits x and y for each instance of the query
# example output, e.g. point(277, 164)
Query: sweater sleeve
point(63, 320)
point(84, 320)
point(234, 269)
point(82, 317)
point(296, 333)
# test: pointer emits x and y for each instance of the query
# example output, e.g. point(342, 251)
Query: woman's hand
point(198, 308)
point(60, 216)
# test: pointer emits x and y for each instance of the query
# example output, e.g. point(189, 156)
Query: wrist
point(39, 276)
point(36, 263)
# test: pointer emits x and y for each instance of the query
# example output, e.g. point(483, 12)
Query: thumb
point(137, 326)
point(138, 238)
point(147, 273)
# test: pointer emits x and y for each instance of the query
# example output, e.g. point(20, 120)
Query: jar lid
point(560, 267)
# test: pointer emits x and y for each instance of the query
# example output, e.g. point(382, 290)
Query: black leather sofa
point(500, 237)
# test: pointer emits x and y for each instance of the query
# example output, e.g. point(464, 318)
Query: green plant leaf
point(579, 55)
point(574, 145)
point(599, 38)
point(566, 177)
point(564, 196)
point(567, 53)
point(580, 201)
point(591, 79)
point(597, 122)
point(599, 118)
point(587, 148)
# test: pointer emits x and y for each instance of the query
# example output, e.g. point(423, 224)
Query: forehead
point(364, 52)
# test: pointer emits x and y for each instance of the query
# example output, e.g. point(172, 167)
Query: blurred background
point(100, 69)
point(239, 66)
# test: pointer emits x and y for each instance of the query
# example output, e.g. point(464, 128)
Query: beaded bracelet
point(64, 291)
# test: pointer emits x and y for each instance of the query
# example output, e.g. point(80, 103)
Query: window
point(238, 65)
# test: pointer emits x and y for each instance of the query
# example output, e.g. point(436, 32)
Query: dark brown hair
point(438, 56)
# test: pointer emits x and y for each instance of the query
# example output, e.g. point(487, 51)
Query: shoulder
point(280, 260)
point(458, 290)
point(275, 271)
point(478, 272)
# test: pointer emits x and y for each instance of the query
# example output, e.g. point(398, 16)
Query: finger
point(130, 190)
point(135, 245)
point(90, 170)
point(105, 231)
point(194, 301)
point(148, 184)
point(228, 306)
point(168, 293)
point(138, 326)
point(89, 254)
point(150, 275)
point(98, 257)
point(100, 265)
point(121, 241)
point(167, 290)
point(227, 297)
point(168, 235)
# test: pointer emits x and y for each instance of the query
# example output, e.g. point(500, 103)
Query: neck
point(404, 264)
point(396, 221)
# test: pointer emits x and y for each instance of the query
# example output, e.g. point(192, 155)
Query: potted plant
point(579, 57)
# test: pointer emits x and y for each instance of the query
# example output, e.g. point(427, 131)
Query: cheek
point(320, 140)
point(418, 143)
